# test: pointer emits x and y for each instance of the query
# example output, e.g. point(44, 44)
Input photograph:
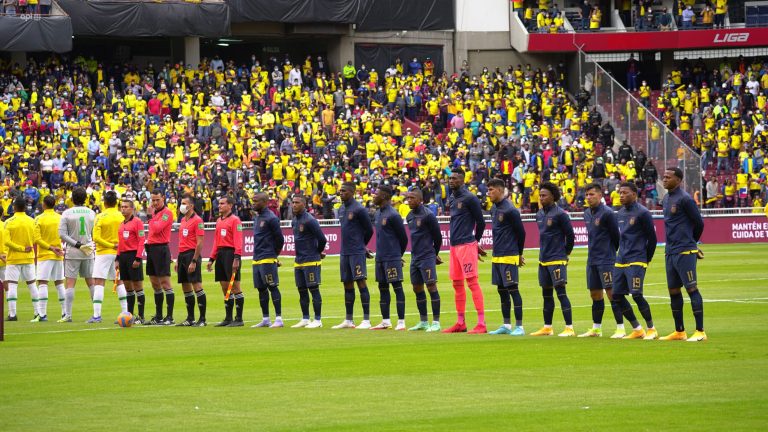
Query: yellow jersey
point(105, 231)
point(20, 234)
point(47, 235)
point(3, 247)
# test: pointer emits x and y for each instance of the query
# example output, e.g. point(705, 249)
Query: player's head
point(627, 193)
point(594, 194)
point(49, 202)
point(158, 199)
point(383, 195)
point(347, 191)
point(497, 190)
point(19, 205)
point(110, 199)
point(126, 208)
point(456, 179)
point(260, 200)
point(415, 198)
point(187, 204)
point(549, 194)
point(225, 205)
point(79, 195)
point(673, 176)
point(299, 204)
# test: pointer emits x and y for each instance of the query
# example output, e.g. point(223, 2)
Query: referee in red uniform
point(130, 248)
point(188, 264)
point(227, 250)
point(159, 257)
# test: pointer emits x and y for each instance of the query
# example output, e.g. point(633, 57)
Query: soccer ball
point(125, 319)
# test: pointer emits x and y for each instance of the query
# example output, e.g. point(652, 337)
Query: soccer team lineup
point(114, 250)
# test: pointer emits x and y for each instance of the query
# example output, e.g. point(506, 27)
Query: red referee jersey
point(131, 237)
point(160, 227)
point(189, 230)
point(229, 233)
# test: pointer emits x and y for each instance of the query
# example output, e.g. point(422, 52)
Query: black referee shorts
point(125, 264)
point(223, 265)
point(158, 260)
point(184, 276)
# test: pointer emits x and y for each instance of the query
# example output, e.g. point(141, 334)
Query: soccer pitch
point(79, 377)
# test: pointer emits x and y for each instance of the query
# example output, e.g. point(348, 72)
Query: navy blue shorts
point(424, 271)
point(389, 271)
point(553, 275)
point(628, 280)
point(353, 268)
point(599, 276)
point(681, 270)
point(265, 276)
point(504, 275)
point(307, 277)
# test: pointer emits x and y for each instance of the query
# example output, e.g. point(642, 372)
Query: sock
point(35, 297)
point(644, 308)
point(365, 300)
point(565, 305)
point(62, 296)
point(421, 305)
point(228, 306)
point(461, 300)
point(349, 303)
point(697, 305)
point(130, 300)
point(397, 287)
point(549, 305)
point(42, 299)
point(170, 299)
point(598, 308)
point(264, 302)
point(12, 297)
point(276, 300)
point(385, 300)
point(239, 303)
point(517, 302)
point(122, 297)
point(140, 301)
point(98, 299)
point(626, 310)
point(69, 299)
point(477, 299)
point(506, 303)
point(159, 303)
point(189, 301)
point(201, 303)
point(616, 309)
point(304, 302)
point(676, 302)
point(317, 302)
point(435, 299)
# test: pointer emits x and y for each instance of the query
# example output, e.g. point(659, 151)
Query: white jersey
point(76, 226)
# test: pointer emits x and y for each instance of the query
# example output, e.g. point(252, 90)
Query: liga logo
point(730, 37)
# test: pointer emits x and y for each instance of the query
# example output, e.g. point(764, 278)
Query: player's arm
point(140, 236)
point(567, 228)
point(277, 236)
point(11, 245)
point(690, 208)
point(402, 237)
point(613, 230)
point(314, 225)
point(41, 244)
point(366, 225)
point(237, 238)
point(476, 211)
point(214, 251)
point(97, 237)
point(650, 235)
point(200, 237)
point(64, 234)
point(519, 229)
point(434, 231)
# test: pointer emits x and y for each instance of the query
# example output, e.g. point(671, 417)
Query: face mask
point(183, 209)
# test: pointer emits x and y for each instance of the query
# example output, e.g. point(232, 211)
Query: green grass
point(78, 377)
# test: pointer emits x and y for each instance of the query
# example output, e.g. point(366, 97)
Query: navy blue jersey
point(267, 235)
point(638, 236)
point(683, 224)
point(508, 230)
point(555, 234)
point(391, 239)
point(467, 222)
point(356, 228)
point(308, 238)
point(603, 235)
point(426, 238)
